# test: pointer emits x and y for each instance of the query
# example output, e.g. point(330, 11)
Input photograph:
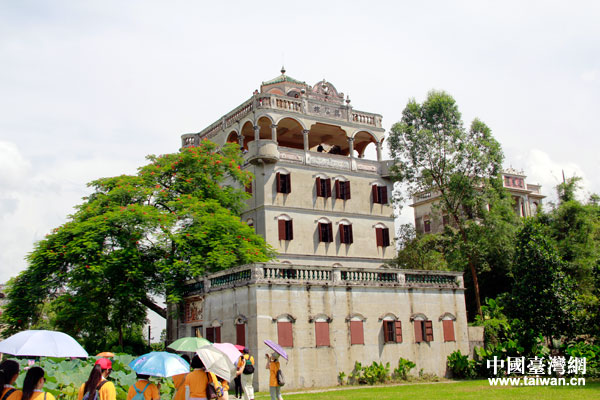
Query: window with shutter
point(379, 194)
point(325, 232)
point(322, 333)
point(213, 334)
point(385, 237)
point(240, 334)
point(285, 229)
point(427, 226)
point(428, 331)
point(346, 234)
point(448, 326)
point(284, 183)
point(379, 236)
point(284, 334)
point(319, 188)
point(418, 330)
point(342, 190)
point(375, 194)
point(389, 332)
point(357, 335)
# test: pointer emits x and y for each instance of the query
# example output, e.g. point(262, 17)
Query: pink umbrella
point(230, 350)
point(239, 347)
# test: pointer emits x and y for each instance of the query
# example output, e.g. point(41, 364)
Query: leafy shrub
point(404, 367)
point(591, 353)
point(461, 366)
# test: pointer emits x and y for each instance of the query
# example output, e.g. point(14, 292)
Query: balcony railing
point(282, 274)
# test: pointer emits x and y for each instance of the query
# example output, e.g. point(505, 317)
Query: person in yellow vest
point(97, 386)
point(273, 367)
point(9, 372)
point(221, 386)
point(246, 370)
point(196, 381)
point(33, 384)
point(145, 388)
point(178, 382)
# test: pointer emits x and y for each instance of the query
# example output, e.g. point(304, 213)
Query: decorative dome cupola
point(284, 85)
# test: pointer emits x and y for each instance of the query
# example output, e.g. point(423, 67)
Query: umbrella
point(239, 347)
point(106, 354)
point(160, 363)
point(277, 348)
point(217, 362)
point(43, 344)
point(188, 344)
point(230, 350)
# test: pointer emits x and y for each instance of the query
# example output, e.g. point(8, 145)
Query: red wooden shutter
point(342, 237)
point(284, 334)
point(281, 228)
point(375, 193)
point(278, 181)
point(383, 199)
point(290, 231)
point(319, 191)
point(328, 184)
point(428, 331)
point(386, 336)
point(338, 195)
point(240, 334)
point(350, 239)
point(379, 235)
point(347, 190)
point(330, 232)
point(418, 330)
point(398, 326)
point(320, 229)
point(356, 332)
point(289, 183)
point(217, 334)
point(322, 333)
point(448, 326)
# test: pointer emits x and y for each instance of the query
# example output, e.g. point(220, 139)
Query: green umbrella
point(188, 344)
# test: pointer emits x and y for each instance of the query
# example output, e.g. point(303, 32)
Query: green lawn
point(479, 389)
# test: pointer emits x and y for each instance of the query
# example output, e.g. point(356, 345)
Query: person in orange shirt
point(33, 384)
point(195, 382)
point(246, 371)
point(273, 367)
point(97, 386)
point(178, 382)
point(143, 385)
point(9, 372)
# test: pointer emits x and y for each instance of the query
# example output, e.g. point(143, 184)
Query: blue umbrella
point(278, 349)
point(160, 363)
point(42, 343)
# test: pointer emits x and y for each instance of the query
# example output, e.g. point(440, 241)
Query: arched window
point(448, 326)
point(382, 235)
point(325, 230)
point(285, 336)
point(241, 323)
point(392, 328)
point(357, 334)
point(321, 322)
point(423, 328)
point(213, 332)
point(285, 227)
point(345, 232)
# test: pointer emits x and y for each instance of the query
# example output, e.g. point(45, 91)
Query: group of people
point(195, 385)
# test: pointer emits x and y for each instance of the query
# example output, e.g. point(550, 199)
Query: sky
point(89, 88)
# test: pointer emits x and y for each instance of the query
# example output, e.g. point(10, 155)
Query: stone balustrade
point(282, 274)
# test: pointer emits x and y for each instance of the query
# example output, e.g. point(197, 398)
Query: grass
point(479, 389)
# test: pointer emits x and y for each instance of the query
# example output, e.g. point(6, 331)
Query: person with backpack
point(97, 386)
point(246, 370)
point(195, 382)
point(143, 389)
point(9, 372)
point(33, 384)
point(275, 376)
point(178, 382)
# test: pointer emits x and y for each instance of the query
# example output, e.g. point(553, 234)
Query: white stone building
point(329, 298)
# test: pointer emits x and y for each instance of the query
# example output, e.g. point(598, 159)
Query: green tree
point(137, 236)
point(542, 294)
point(434, 153)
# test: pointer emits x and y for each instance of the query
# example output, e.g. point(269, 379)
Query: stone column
point(305, 134)
point(240, 139)
point(256, 132)
point(351, 146)
point(274, 133)
point(378, 144)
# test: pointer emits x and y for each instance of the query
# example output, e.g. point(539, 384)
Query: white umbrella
point(42, 343)
point(217, 362)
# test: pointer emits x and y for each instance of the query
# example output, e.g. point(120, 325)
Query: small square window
point(284, 183)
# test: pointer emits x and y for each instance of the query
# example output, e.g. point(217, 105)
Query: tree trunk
point(121, 337)
point(154, 307)
point(473, 275)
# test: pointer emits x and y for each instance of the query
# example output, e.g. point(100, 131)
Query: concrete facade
point(330, 299)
